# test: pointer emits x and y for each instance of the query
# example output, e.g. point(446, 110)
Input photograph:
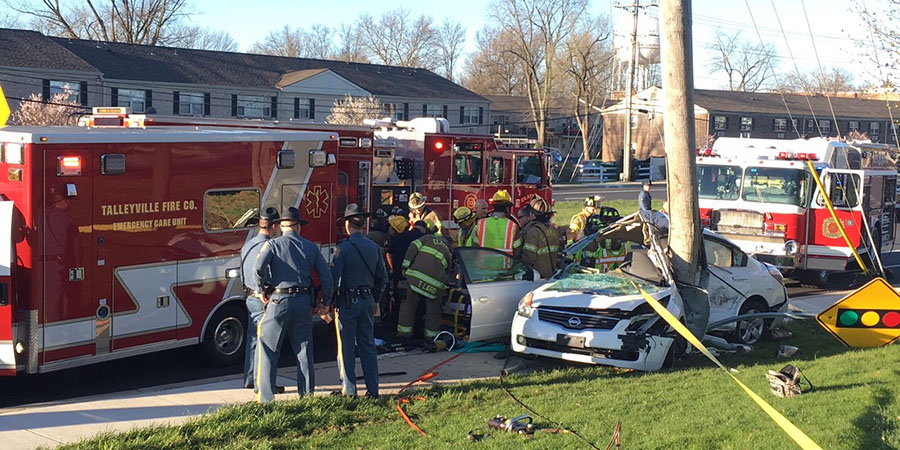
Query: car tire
point(224, 340)
point(750, 332)
point(816, 279)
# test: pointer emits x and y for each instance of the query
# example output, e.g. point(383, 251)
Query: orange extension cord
point(427, 375)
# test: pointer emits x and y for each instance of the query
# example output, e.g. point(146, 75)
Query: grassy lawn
point(856, 404)
point(565, 210)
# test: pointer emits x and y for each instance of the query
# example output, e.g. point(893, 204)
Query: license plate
point(570, 341)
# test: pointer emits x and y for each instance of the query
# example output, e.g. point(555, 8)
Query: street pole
point(680, 141)
point(629, 88)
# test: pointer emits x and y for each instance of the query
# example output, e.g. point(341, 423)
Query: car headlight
point(776, 274)
point(525, 310)
point(791, 247)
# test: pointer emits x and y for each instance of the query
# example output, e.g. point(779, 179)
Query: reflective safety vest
point(605, 258)
point(496, 232)
point(577, 224)
point(464, 235)
point(427, 264)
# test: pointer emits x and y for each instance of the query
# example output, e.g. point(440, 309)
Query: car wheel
point(224, 338)
point(751, 331)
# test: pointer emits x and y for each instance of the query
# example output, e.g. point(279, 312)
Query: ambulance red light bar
point(791, 156)
point(68, 166)
point(439, 146)
point(706, 152)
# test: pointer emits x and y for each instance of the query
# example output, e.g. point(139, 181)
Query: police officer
point(358, 269)
point(645, 200)
point(284, 269)
point(540, 240)
point(253, 291)
point(427, 266)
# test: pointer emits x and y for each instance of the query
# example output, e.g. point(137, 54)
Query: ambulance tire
point(224, 339)
point(750, 332)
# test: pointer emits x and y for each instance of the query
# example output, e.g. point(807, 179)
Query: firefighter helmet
point(501, 196)
point(593, 201)
point(539, 206)
point(416, 200)
point(398, 223)
point(463, 214)
point(594, 224)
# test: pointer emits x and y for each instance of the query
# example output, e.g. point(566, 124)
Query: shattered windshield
point(611, 284)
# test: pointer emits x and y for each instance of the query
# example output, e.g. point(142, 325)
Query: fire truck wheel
point(817, 279)
point(223, 342)
point(751, 331)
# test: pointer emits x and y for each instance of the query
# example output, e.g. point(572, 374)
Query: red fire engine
point(760, 194)
point(116, 241)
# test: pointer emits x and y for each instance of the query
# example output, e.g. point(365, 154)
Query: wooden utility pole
point(681, 153)
point(629, 89)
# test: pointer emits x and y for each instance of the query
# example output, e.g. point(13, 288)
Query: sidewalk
point(51, 424)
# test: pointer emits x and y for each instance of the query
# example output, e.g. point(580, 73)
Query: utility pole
point(680, 140)
point(629, 88)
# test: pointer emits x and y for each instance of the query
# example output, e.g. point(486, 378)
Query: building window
point(853, 125)
point(794, 126)
point(825, 127)
point(810, 126)
point(190, 103)
point(253, 106)
point(72, 88)
point(720, 123)
point(501, 119)
point(780, 125)
point(746, 124)
point(433, 111)
point(470, 115)
point(874, 129)
point(133, 98)
point(303, 108)
point(229, 210)
point(395, 110)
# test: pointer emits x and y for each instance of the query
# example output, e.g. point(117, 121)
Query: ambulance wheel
point(751, 331)
point(224, 338)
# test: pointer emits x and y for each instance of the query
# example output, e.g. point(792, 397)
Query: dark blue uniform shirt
point(248, 260)
point(644, 201)
point(362, 268)
point(288, 261)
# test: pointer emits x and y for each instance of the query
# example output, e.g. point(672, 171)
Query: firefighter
point(578, 222)
point(419, 211)
point(498, 230)
point(284, 268)
point(253, 292)
point(380, 230)
point(465, 218)
point(540, 240)
point(397, 251)
point(427, 267)
point(603, 253)
point(358, 270)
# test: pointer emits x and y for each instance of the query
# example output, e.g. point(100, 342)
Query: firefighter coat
point(602, 254)
point(427, 266)
point(577, 224)
point(540, 248)
point(429, 216)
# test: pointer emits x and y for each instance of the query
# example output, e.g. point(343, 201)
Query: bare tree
point(9, 21)
point(829, 82)
point(351, 47)
point(290, 42)
point(149, 22)
point(881, 44)
point(451, 38)
point(320, 42)
point(397, 39)
point(588, 56)
point(60, 110)
point(353, 110)
point(538, 28)
point(493, 69)
point(746, 64)
point(205, 39)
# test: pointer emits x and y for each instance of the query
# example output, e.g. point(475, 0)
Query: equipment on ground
point(786, 382)
point(523, 424)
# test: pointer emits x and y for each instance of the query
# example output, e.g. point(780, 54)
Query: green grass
point(565, 210)
point(856, 404)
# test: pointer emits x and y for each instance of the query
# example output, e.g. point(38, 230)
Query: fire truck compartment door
point(844, 189)
point(496, 282)
point(7, 353)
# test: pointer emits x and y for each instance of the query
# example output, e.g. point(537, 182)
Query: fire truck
point(115, 241)
point(451, 170)
point(760, 194)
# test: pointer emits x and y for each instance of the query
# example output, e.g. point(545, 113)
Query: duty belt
point(359, 291)
point(291, 291)
point(251, 293)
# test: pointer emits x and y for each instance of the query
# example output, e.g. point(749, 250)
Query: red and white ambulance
point(760, 194)
point(115, 241)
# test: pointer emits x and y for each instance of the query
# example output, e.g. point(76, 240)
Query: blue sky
point(834, 25)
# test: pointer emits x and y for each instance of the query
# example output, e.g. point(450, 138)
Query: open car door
point(495, 282)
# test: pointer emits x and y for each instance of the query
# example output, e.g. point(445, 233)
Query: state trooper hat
point(353, 210)
point(291, 215)
point(270, 214)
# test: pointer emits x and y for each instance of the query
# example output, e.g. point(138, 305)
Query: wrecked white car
point(587, 316)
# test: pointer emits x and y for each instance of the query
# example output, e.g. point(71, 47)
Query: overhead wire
point(796, 68)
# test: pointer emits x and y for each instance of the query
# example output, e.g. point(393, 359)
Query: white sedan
point(587, 316)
